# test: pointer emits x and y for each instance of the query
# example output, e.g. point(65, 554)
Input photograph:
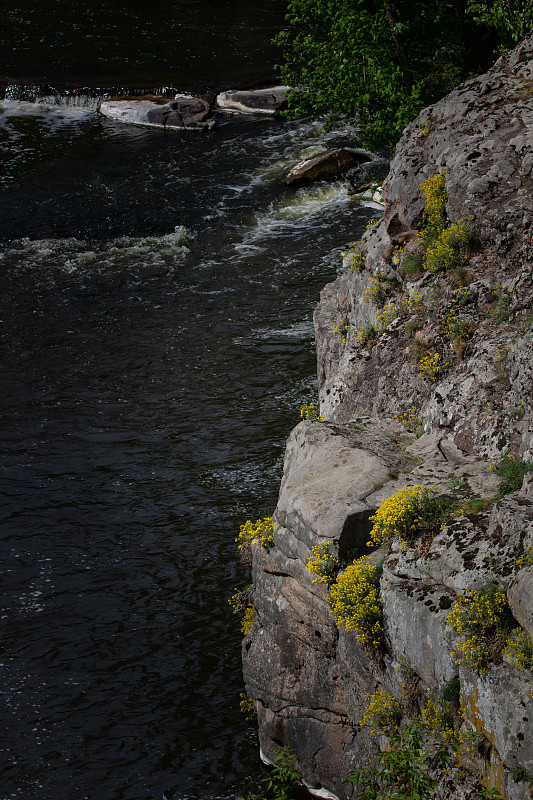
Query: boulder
point(324, 166)
point(254, 101)
point(182, 113)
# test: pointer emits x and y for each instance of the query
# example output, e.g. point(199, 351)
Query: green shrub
point(283, 778)
point(513, 473)
point(403, 770)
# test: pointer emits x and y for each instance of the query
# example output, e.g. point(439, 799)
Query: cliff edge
point(424, 351)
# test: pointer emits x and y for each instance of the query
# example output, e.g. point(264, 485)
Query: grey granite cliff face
point(482, 136)
point(311, 680)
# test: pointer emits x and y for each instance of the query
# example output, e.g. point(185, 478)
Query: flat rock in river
point(182, 113)
point(254, 101)
point(324, 166)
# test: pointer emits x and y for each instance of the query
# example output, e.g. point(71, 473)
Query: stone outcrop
point(254, 101)
point(182, 113)
point(311, 680)
point(324, 166)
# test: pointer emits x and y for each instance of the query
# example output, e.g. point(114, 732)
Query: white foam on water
point(71, 255)
point(297, 209)
point(51, 113)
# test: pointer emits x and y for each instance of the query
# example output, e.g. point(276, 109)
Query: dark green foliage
point(385, 60)
point(451, 691)
point(284, 776)
point(513, 473)
point(402, 772)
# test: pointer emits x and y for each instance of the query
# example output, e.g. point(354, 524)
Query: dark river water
point(156, 345)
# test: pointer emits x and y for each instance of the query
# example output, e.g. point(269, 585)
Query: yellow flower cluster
point(371, 223)
point(377, 291)
point(519, 648)
point(247, 706)
point(259, 531)
point(414, 300)
point(430, 366)
point(411, 420)
point(436, 197)
point(456, 327)
point(383, 713)
point(365, 334)
point(403, 514)
point(481, 618)
point(341, 330)
point(354, 257)
point(355, 601)
point(526, 559)
point(448, 250)
point(324, 564)
point(311, 412)
point(388, 314)
point(247, 620)
point(440, 718)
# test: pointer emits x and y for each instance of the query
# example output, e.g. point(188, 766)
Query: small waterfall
point(86, 97)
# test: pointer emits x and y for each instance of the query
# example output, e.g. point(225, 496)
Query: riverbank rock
point(449, 353)
point(254, 101)
point(182, 113)
point(324, 166)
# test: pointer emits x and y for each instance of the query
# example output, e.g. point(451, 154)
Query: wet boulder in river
point(254, 101)
point(324, 166)
point(182, 113)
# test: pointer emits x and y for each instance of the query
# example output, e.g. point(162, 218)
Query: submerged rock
point(324, 166)
point(182, 113)
point(254, 101)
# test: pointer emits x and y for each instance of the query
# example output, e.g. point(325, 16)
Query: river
point(157, 345)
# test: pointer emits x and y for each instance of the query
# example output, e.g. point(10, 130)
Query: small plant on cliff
point(411, 421)
point(388, 314)
point(513, 473)
point(240, 602)
point(284, 776)
point(260, 531)
point(519, 648)
point(247, 706)
point(379, 289)
point(526, 559)
point(483, 619)
point(436, 197)
point(355, 601)
point(324, 564)
point(450, 249)
point(403, 770)
point(341, 330)
point(383, 713)
point(446, 246)
point(366, 335)
point(311, 412)
point(431, 366)
point(354, 257)
point(409, 512)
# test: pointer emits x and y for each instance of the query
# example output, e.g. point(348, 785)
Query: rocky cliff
point(425, 379)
